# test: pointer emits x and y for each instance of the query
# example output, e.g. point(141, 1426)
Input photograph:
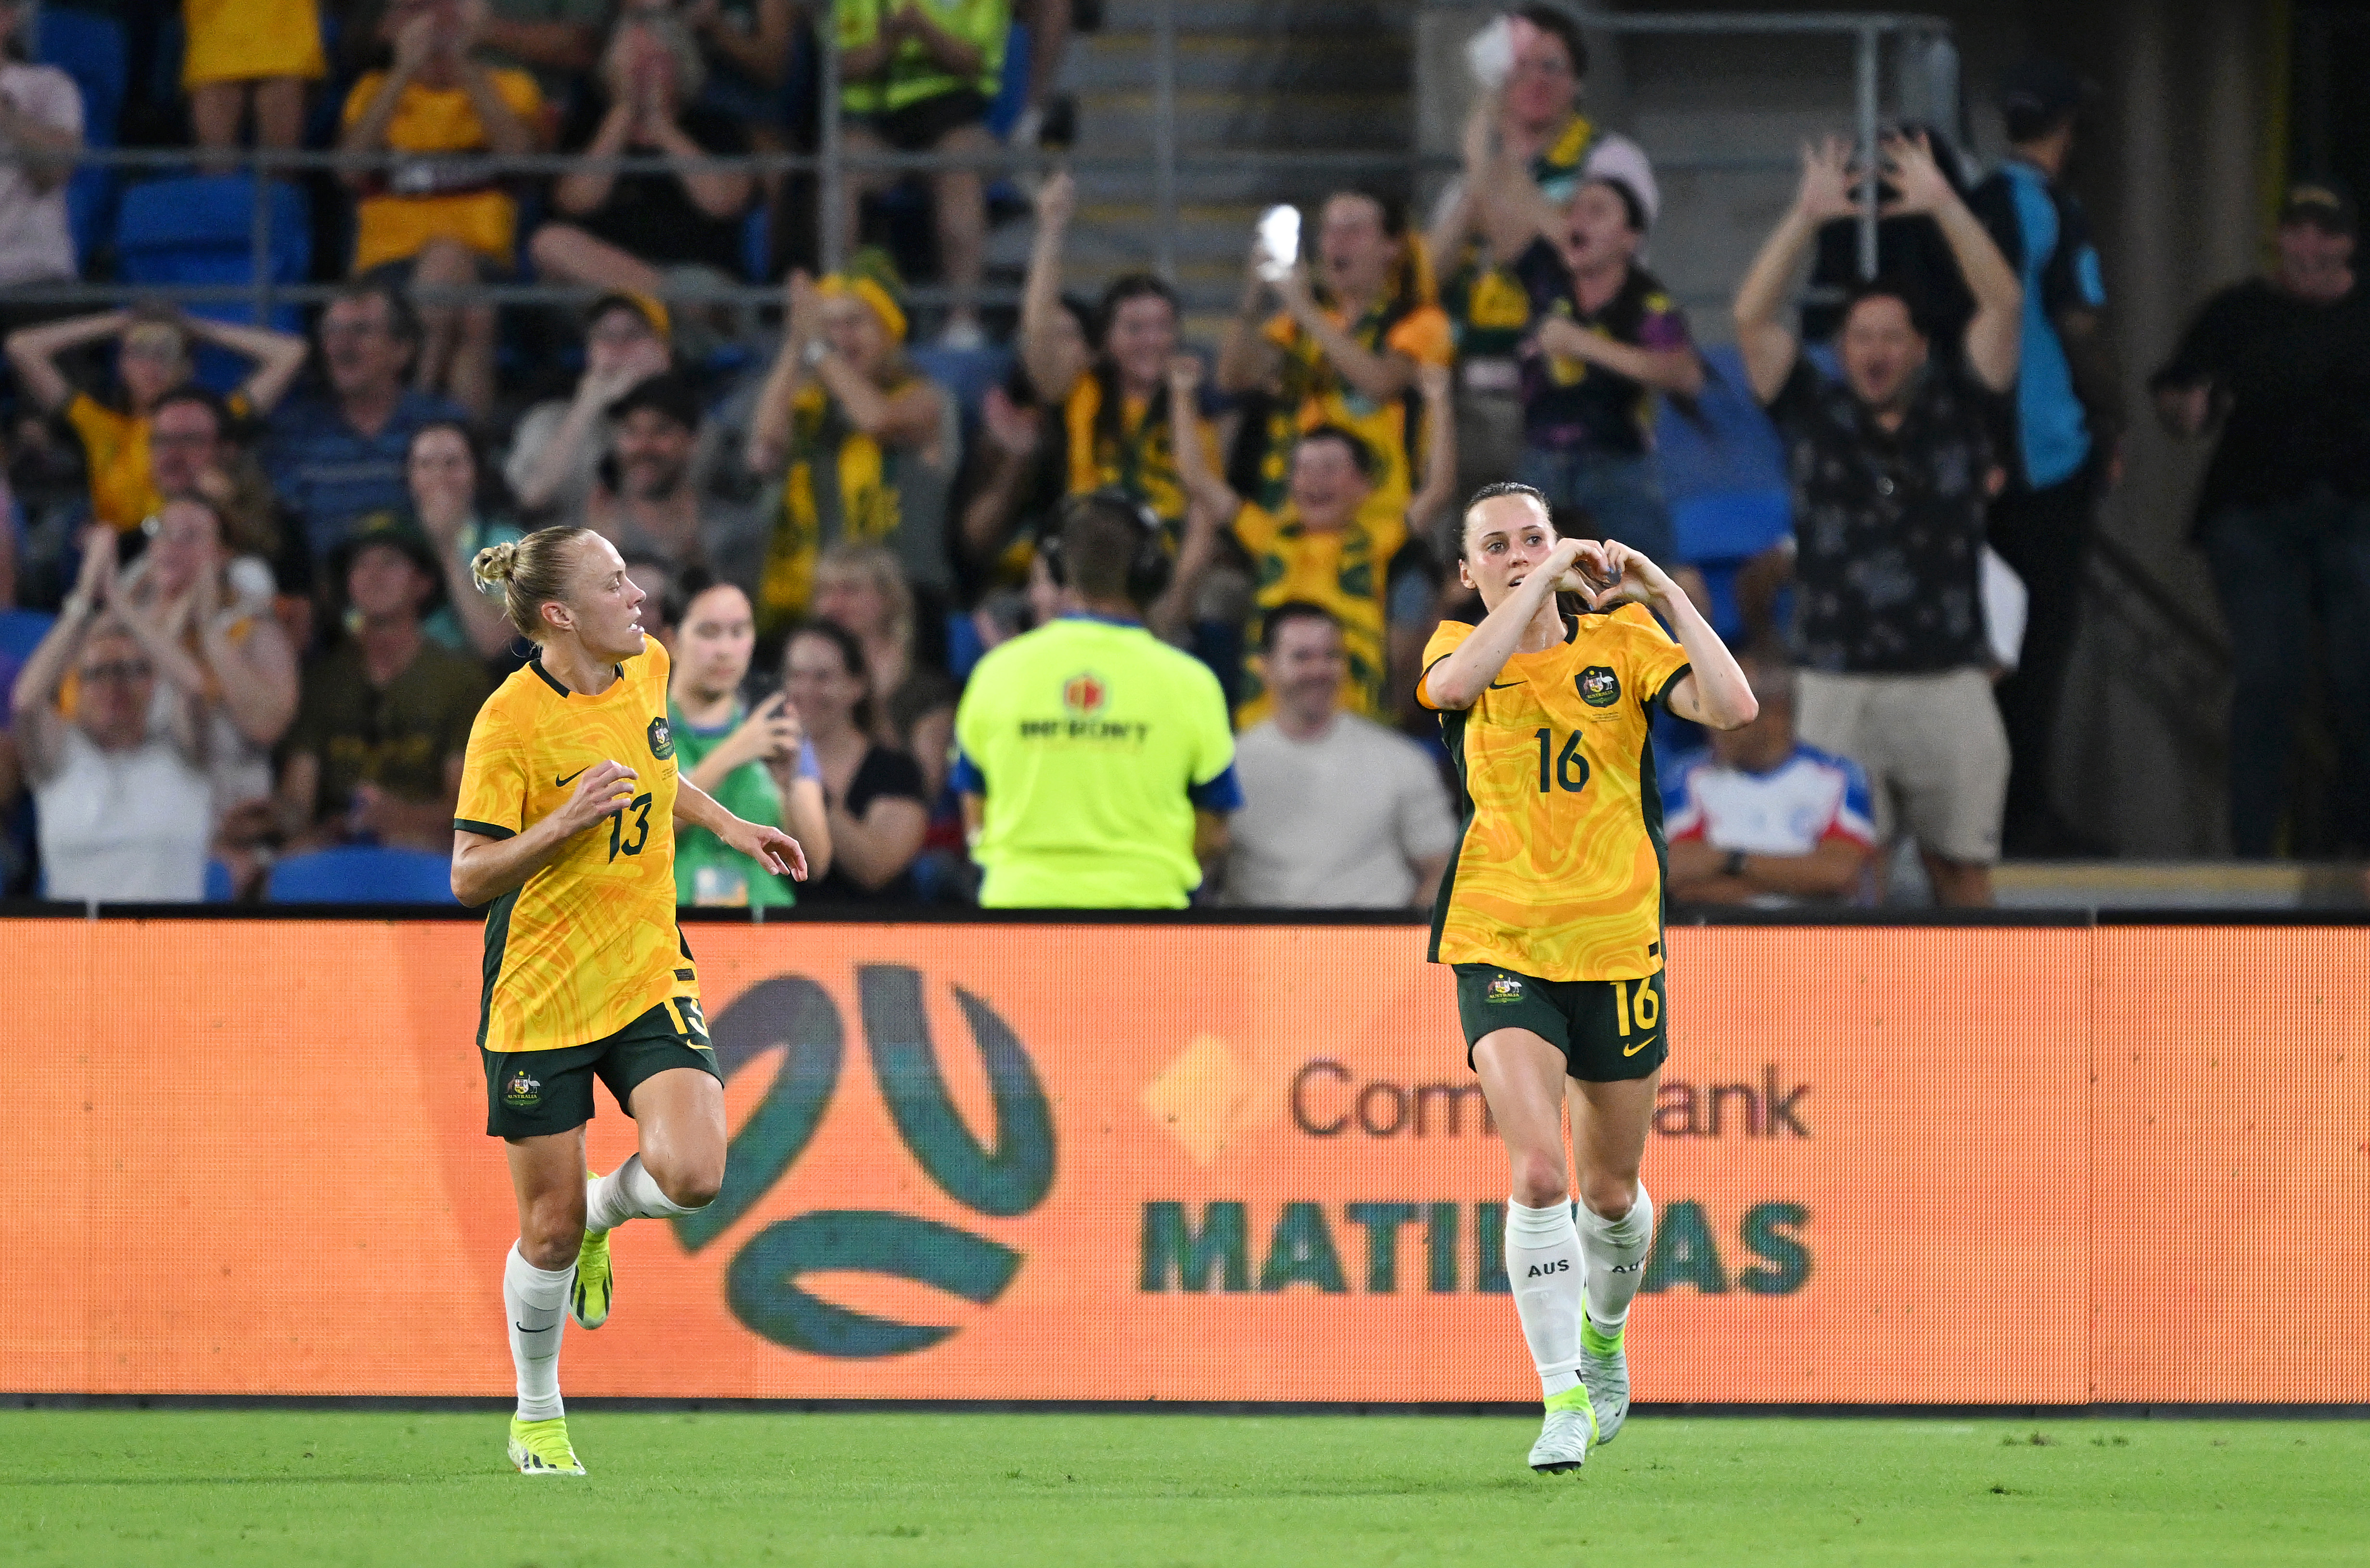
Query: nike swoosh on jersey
point(1507, 686)
point(1633, 1050)
point(562, 783)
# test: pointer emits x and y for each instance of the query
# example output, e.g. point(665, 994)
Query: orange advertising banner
point(1197, 1163)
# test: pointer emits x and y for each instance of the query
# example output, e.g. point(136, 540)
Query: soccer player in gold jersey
point(1552, 912)
point(565, 831)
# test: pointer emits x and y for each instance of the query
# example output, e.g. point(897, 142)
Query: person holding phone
point(755, 762)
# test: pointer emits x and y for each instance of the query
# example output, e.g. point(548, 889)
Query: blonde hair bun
point(493, 566)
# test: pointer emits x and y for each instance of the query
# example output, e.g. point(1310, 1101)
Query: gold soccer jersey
point(589, 944)
point(1558, 873)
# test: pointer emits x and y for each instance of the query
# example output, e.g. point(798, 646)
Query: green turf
point(322, 1488)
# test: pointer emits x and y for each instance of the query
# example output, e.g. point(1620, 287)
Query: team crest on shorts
point(521, 1091)
point(1599, 687)
point(661, 738)
point(1505, 988)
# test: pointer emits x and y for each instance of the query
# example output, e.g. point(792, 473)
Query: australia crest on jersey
point(521, 1089)
point(1599, 687)
point(661, 738)
point(1505, 988)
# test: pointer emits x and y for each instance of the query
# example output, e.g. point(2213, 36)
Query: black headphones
point(1147, 572)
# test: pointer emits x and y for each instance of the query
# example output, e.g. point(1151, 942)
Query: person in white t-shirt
point(1339, 812)
point(1762, 819)
point(40, 111)
point(124, 808)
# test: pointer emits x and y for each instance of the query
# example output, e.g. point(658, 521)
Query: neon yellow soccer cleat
point(596, 1286)
point(541, 1448)
point(1564, 1438)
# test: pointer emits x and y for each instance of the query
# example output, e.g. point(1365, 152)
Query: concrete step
point(1121, 121)
point(1240, 64)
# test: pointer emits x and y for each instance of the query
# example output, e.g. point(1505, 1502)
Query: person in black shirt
point(1605, 339)
point(874, 796)
point(627, 231)
point(1892, 469)
point(2283, 363)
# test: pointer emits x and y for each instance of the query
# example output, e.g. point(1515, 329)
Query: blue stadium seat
point(219, 888)
point(967, 374)
point(21, 632)
point(1724, 472)
point(88, 47)
point(362, 874)
point(200, 229)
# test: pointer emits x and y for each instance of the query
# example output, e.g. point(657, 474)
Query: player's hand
point(1562, 565)
point(605, 789)
point(1611, 575)
point(769, 847)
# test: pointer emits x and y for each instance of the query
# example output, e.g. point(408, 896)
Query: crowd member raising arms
point(152, 360)
point(870, 444)
point(1346, 346)
point(1112, 392)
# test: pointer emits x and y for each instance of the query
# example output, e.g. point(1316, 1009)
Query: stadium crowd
point(242, 630)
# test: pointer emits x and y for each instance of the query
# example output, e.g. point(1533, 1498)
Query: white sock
point(627, 1193)
point(1617, 1260)
point(1544, 1265)
point(536, 1302)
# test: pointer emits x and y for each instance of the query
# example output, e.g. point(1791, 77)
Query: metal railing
point(1924, 41)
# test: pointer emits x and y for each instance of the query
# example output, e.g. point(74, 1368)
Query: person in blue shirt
point(2068, 420)
point(337, 454)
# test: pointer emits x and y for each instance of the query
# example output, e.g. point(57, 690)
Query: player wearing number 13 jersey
point(1551, 914)
point(565, 831)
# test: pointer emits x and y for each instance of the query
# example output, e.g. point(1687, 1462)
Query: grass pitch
point(327, 1488)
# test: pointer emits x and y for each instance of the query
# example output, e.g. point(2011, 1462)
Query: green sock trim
point(1573, 1398)
point(1597, 1343)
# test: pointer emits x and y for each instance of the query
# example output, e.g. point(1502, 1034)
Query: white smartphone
point(1279, 236)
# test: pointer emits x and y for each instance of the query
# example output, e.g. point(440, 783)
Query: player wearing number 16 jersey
point(1551, 914)
point(565, 831)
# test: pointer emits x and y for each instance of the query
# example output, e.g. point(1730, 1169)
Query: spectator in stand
point(442, 473)
point(1893, 468)
point(919, 78)
point(2285, 512)
point(746, 45)
point(2068, 427)
point(1096, 762)
point(757, 762)
point(375, 756)
point(194, 450)
point(650, 500)
point(646, 234)
point(1345, 348)
point(338, 457)
point(151, 360)
point(1762, 819)
point(243, 52)
point(661, 593)
point(556, 453)
point(1539, 147)
point(1339, 812)
point(1603, 338)
point(1322, 545)
point(921, 717)
point(442, 221)
point(870, 444)
point(861, 590)
point(1012, 482)
point(558, 41)
point(40, 111)
point(214, 642)
point(119, 783)
point(876, 801)
point(1112, 389)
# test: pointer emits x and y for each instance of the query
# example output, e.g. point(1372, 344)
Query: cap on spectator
point(872, 277)
point(2324, 203)
point(668, 392)
point(652, 310)
point(397, 532)
point(2037, 93)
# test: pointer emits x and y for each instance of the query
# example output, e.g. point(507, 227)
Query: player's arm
point(485, 868)
point(1457, 680)
point(1714, 692)
point(769, 847)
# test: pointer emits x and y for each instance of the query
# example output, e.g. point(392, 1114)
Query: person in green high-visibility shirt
point(917, 77)
point(756, 761)
point(1094, 762)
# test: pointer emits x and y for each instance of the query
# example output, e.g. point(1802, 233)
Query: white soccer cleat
point(1563, 1441)
point(1606, 1378)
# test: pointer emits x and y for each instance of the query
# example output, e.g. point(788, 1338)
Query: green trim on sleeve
point(483, 830)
